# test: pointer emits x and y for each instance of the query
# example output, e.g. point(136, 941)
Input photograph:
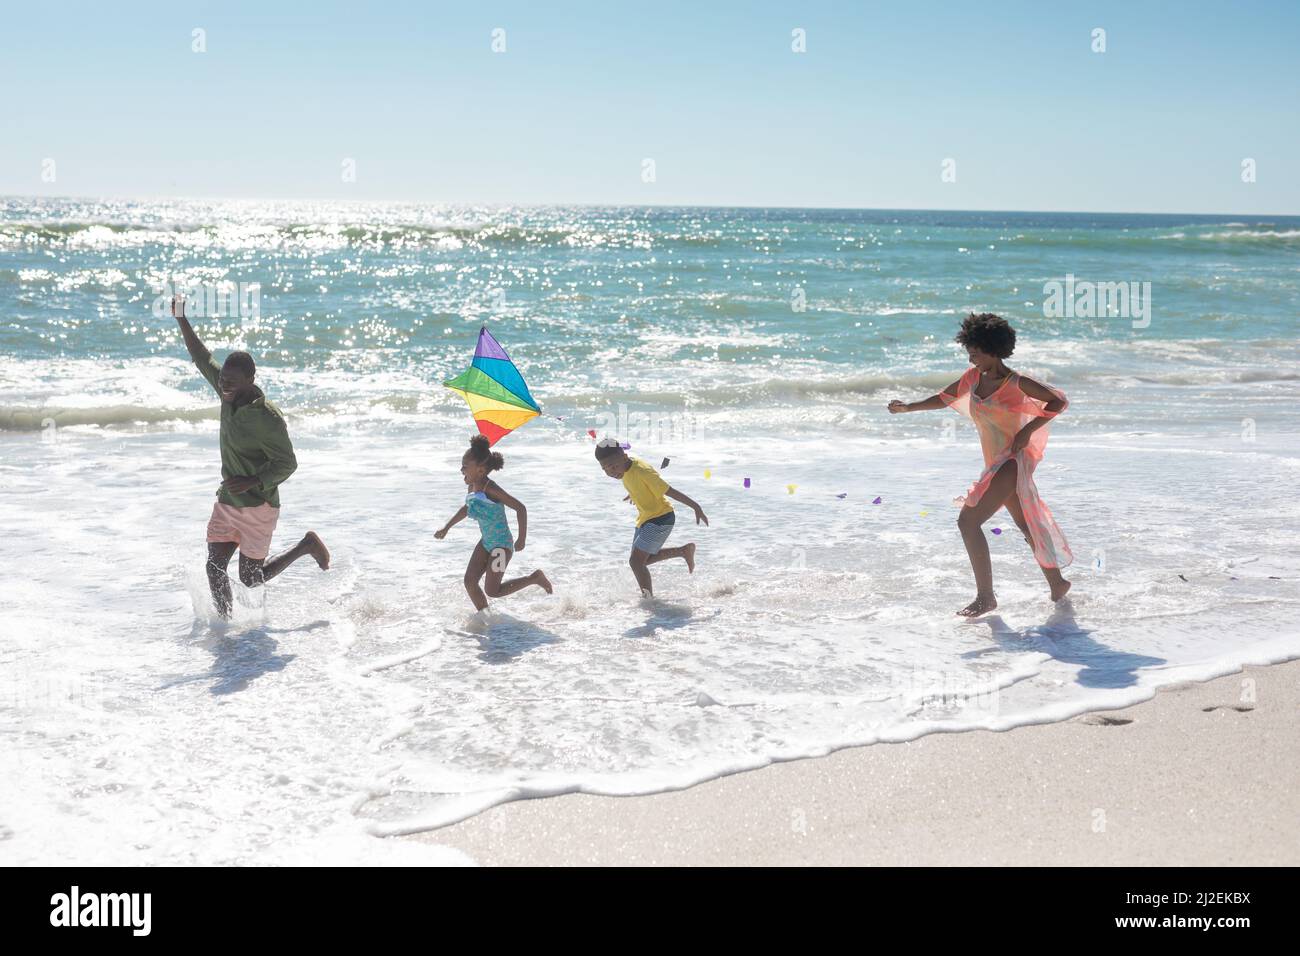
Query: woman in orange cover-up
point(1011, 413)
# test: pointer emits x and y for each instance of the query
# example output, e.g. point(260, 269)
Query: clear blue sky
point(711, 91)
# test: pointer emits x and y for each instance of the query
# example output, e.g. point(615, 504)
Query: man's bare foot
point(543, 582)
point(981, 605)
point(1060, 590)
point(690, 558)
point(316, 548)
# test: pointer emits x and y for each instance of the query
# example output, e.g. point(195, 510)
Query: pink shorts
point(250, 528)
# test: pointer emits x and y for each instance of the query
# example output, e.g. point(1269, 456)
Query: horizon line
point(626, 205)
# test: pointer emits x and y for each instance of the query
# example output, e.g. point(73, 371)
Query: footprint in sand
point(1101, 720)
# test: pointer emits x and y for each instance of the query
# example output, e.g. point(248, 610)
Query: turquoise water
point(753, 349)
point(697, 304)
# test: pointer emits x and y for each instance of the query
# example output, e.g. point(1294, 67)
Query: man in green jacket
point(256, 456)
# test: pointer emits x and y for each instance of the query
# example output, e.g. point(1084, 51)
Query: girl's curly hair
point(480, 451)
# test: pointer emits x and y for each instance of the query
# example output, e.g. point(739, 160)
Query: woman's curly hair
point(989, 333)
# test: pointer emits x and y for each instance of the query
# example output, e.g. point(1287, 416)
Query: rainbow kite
point(494, 390)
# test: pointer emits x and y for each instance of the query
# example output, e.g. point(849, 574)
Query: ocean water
point(338, 708)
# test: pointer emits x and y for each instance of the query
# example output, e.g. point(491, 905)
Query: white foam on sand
point(359, 703)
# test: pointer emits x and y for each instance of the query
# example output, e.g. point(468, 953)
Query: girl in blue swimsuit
point(486, 503)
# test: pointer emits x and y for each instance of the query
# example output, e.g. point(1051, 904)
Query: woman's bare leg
point(1057, 584)
point(970, 523)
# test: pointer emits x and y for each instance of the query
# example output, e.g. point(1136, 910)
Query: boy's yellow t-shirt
point(647, 490)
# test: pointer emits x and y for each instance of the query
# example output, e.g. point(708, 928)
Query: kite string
point(765, 489)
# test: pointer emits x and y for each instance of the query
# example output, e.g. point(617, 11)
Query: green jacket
point(254, 441)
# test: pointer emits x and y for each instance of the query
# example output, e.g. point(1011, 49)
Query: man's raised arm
point(198, 351)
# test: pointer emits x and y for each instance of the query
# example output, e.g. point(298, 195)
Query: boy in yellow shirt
point(654, 514)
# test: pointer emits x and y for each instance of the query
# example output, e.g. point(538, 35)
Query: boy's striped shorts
point(650, 537)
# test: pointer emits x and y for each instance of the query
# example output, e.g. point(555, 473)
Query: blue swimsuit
point(491, 518)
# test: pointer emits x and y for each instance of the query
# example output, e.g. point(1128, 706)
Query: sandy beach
point(1203, 774)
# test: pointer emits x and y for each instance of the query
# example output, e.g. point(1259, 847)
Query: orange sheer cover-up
point(999, 418)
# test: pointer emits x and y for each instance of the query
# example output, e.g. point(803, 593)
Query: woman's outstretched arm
point(934, 401)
